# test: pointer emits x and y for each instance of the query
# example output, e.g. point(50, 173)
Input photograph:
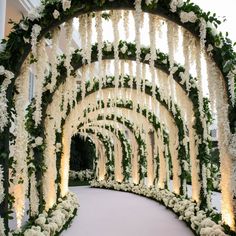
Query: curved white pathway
point(113, 213)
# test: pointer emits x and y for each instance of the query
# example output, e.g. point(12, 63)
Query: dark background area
point(82, 153)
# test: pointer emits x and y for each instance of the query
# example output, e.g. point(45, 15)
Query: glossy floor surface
point(113, 213)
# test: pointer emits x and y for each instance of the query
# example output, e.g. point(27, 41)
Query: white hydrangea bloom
point(174, 4)
point(66, 4)
point(56, 14)
point(38, 141)
point(40, 221)
point(34, 14)
point(124, 48)
point(188, 17)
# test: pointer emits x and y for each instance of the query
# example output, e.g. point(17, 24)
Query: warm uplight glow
point(161, 185)
point(101, 163)
point(101, 178)
point(176, 190)
point(65, 165)
point(228, 218)
point(118, 164)
point(19, 204)
point(150, 182)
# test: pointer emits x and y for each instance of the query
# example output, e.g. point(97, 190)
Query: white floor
point(113, 213)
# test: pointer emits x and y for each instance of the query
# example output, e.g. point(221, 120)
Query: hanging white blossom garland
point(152, 36)
point(115, 21)
point(137, 18)
point(69, 31)
point(3, 100)
point(19, 187)
point(55, 45)
point(40, 77)
point(99, 31)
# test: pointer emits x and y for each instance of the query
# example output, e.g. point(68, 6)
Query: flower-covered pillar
point(226, 142)
point(111, 129)
point(105, 169)
point(64, 171)
point(101, 165)
point(5, 93)
point(19, 171)
point(150, 160)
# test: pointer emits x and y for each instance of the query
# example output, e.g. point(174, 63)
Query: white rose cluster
point(83, 175)
point(187, 210)
point(49, 224)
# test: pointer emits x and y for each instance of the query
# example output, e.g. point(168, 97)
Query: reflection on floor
point(113, 213)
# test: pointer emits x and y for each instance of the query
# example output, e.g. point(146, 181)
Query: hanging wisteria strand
point(143, 77)
point(185, 46)
point(41, 65)
point(203, 32)
point(195, 58)
point(83, 37)
point(33, 195)
point(162, 165)
point(137, 18)
point(69, 31)
point(55, 46)
point(122, 72)
point(232, 86)
point(49, 178)
point(83, 81)
point(3, 100)
point(173, 39)
point(173, 148)
point(215, 86)
point(150, 161)
point(19, 187)
point(99, 31)
point(196, 55)
point(126, 23)
point(152, 37)
point(115, 17)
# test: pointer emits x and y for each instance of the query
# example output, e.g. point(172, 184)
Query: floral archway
point(145, 83)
